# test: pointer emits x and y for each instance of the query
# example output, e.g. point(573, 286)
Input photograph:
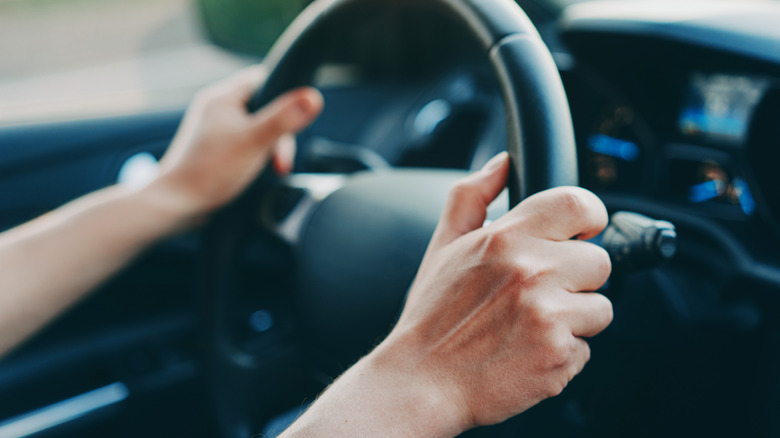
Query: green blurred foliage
point(250, 26)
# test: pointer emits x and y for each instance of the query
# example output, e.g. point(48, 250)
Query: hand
point(496, 316)
point(220, 148)
point(493, 323)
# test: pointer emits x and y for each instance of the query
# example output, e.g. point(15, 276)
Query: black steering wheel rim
point(540, 141)
point(540, 136)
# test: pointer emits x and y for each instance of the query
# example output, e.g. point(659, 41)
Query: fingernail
point(495, 162)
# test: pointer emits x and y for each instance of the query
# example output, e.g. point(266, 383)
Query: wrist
point(383, 394)
point(422, 393)
point(172, 205)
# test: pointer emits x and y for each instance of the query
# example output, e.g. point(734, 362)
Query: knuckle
point(577, 366)
point(580, 202)
point(461, 191)
point(559, 353)
point(496, 242)
point(607, 311)
point(602, 264)
point(586, 353)
point(568, 356)
point(542, 316)
point(555, 387)
point(573, 201)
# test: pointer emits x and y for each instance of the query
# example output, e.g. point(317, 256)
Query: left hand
point(220, 148)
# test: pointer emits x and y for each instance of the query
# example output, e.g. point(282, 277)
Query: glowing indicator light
point(705, 191)
point(613, 147)
point(746, 200)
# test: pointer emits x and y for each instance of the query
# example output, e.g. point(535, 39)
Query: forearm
point(48, 264)
point(220, 148)
point(384, 394)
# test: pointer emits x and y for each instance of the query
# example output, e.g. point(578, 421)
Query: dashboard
point(706, 153)
point(680, 110)
point(679, 129)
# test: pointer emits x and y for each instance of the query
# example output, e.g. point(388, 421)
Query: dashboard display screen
point(719, 106)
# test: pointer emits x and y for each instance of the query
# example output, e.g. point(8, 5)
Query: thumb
point(287, 114)
point(468, 200)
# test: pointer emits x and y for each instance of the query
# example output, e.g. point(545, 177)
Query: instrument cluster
point(714, 150)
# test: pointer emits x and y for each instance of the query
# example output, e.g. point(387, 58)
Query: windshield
point(66, 59)
point(72, 59)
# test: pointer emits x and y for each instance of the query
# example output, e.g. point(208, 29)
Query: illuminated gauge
point(707, 182)
point(614, 158)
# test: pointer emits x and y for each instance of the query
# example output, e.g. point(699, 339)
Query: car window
point(72, 59)
point(65, 59)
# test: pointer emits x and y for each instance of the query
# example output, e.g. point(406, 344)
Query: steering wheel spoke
point(290, 204)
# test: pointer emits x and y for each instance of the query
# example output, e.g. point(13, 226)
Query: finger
point(583, 265)
point(288, 114)
point(466, 207)
point(581, 357)
point(589, 313)
point(284, 155)
point(560, 214)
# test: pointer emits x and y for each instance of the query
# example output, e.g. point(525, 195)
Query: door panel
point(124, 361)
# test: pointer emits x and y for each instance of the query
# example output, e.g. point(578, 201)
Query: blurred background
point(68, 59)
point(75, 59)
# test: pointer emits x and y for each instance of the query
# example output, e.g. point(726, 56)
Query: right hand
point(497, 314)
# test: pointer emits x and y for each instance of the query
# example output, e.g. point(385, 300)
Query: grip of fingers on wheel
point(636, 242)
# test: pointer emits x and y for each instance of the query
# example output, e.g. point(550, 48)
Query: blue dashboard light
point(704, 191)
point(613, 147)
point(746, 200)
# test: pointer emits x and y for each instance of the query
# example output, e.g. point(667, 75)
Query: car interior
point(234, 328)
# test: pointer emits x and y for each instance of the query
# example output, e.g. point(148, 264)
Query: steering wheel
point(358, 244)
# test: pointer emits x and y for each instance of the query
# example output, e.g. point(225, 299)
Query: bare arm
point(494, 322)
point(48, 264)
